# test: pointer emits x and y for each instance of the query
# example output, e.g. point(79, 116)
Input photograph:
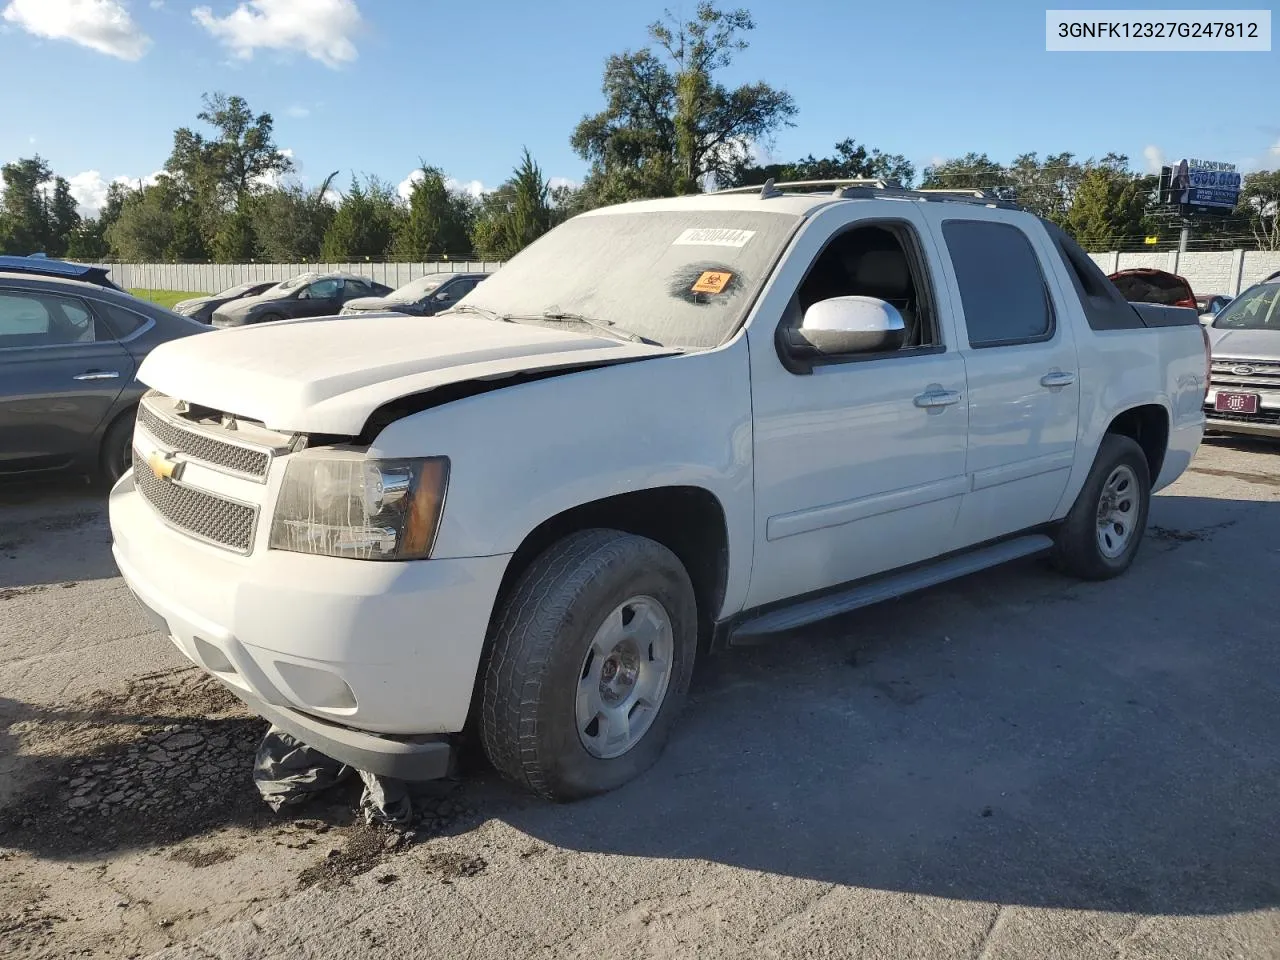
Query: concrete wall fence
point(1224, 271)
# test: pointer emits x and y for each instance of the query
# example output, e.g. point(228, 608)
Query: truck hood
point(329, 375)
point(1245, 344)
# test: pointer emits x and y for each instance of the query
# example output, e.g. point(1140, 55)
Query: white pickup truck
point(663, 427)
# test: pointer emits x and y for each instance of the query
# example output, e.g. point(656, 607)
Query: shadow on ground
point(54, 531)
point(1012, 738)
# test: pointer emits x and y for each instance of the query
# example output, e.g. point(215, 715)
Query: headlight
point(359, 508)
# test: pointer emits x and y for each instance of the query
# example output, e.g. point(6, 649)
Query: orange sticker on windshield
point(712, 281)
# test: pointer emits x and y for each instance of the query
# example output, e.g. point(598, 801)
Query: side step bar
point(893, 585)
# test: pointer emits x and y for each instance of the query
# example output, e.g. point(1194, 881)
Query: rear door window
point(29, 319)
point(1002, 288)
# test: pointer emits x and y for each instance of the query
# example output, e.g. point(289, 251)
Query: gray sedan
point(69, 353)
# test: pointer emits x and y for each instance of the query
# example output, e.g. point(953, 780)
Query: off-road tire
point(1076, 550)
point(540, 637)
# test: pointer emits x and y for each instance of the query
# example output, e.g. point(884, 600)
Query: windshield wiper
point(479, 311)
point(608, 326)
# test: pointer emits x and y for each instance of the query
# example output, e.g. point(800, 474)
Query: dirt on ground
point(119, 790)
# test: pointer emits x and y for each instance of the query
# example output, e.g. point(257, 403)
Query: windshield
point(294, 282)
point(682, 278)
point(1258, 308)
point(237, 291)
point(417, 289)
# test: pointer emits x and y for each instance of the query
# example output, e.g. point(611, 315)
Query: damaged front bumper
point(372, 663)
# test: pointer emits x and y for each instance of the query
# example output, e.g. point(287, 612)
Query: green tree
point(669, 126)
point(1260, 206)
point(973, 171)
point(515, 214)
point(851, 160)
point(1109, 209)
point(89, 240)
point(290, 222)
point(364, 224)
point(438, 223)
point(37, 212)
point(217, 172)
point(235, 241)
point(155, 225)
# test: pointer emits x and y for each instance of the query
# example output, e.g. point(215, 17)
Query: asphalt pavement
point(1012, 765)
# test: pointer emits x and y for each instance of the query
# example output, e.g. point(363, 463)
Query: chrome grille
point(206, 516)
point(1246, 374)
point(200, 446)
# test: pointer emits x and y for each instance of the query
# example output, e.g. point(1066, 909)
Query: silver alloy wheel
point(1117, 511)
point(624, 677)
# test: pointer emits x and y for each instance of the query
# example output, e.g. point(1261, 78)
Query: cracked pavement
point(1013, 765)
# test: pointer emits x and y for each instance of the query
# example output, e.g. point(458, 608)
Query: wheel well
point(688, 521)
point(1149, 426)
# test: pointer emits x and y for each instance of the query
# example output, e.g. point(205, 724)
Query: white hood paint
point(328, 375)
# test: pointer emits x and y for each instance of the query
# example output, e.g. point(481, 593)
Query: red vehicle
point(1154, 286)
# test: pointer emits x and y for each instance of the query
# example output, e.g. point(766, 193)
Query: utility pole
point(1184, 236)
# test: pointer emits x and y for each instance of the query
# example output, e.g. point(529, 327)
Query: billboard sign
point(1203, 184)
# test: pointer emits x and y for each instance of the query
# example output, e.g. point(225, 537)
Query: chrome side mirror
point(852, 325)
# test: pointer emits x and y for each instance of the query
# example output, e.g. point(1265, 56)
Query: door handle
point(937, 398)
point(1058, 378)
point(97, 375)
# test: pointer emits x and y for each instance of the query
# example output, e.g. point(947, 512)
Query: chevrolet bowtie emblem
point(164, 466)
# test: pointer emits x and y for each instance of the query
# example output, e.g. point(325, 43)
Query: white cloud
point(298, 111)
point(557, 182)
point(102, 25)
point(405, 186)
point(322, 29)
point(474, 187)
point(157, 4)
point(1275, 149)
point(89, 189)
point(1155, 158)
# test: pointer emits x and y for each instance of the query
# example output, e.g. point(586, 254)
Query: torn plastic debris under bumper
point(425, 757)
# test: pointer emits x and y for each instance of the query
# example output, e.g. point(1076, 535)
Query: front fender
point(523, 454)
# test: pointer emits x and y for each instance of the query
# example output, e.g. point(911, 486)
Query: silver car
point(1244, 382)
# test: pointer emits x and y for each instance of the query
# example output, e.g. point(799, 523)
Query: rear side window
point(123, 323)
point(1002, 288)
point(29, 319)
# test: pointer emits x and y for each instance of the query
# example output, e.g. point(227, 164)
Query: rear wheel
point(591, 658)
point(1100, 536)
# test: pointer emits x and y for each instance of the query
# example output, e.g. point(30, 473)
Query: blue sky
point(98, 86)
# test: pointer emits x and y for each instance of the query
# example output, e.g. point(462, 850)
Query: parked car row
point(71, 341)
point(327, 294)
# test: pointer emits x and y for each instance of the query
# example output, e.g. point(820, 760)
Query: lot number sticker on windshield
point(713, 237)
point(712, 281)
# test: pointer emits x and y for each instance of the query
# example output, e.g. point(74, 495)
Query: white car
point(663, 427)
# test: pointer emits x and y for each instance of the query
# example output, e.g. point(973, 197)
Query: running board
point(887, 588)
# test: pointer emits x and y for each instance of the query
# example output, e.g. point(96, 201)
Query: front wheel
point(1100, 536)
point(590, 662)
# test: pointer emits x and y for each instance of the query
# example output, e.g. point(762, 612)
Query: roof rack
point(867, 188)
